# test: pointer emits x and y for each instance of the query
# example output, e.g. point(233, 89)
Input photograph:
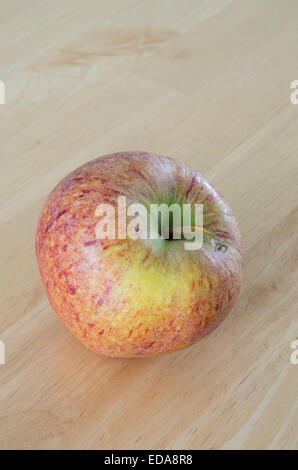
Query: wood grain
point(207, 82)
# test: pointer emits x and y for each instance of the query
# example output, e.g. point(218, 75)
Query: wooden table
point(207, 82)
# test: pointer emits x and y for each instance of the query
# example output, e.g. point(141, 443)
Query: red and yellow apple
point(136, 298)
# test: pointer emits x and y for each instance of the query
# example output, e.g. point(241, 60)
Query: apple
point(137, 298)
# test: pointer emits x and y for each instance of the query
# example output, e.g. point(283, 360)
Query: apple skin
point(126, 298)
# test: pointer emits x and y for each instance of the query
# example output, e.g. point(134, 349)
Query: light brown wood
point(207, 82)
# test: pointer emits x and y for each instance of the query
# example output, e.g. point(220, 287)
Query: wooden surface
point(207, 82)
